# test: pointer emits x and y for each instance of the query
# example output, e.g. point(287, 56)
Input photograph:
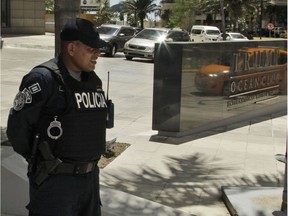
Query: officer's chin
point(87, 71)
point(91, 67)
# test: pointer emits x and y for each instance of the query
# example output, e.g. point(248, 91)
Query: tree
point(211, 8)
point(165, 16)
point(105, 14)
point(140, 9)
point(277, 15)
point(49, 6)
point(238, 13)
point(183, 13)
point(237, 9)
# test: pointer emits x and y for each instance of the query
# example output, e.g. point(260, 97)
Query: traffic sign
point(270, 26)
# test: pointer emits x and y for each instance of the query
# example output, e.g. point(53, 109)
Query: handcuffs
point(55, 124)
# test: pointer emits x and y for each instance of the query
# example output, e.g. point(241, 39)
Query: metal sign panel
point(198, 84)
point(90, 5)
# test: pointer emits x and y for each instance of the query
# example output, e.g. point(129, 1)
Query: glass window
point(127, 32)
point(130, 32)
point(196, 31)
point(150, 34)
point(213, 32)
point(107, 30)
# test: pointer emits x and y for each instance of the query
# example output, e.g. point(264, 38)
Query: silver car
point(142, 45)
point(233, 36)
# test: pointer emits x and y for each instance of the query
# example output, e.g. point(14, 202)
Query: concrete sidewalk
point(184, 178)
point(30, 41)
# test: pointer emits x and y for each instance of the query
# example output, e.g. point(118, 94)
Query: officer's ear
point(71, 47)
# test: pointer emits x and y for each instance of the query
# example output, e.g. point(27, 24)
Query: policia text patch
point(88, 100)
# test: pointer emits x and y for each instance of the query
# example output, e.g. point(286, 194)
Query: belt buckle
point(90, 167)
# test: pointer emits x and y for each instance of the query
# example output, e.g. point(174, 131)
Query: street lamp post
point(260, 18)
point(223, 20)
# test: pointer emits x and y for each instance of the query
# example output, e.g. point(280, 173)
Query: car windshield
point(151, 34)
point(237, 36)
point(213, 32)
point(107, 30)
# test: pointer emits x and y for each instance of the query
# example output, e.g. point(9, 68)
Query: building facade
point(22, 16)
point(29, 16)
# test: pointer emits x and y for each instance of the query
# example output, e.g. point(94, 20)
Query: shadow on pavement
point(195, 181)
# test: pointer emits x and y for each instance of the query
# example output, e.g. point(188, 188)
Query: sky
point(113, 2)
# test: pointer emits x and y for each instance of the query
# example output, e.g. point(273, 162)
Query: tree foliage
point(49, 6)
point(235, 11)
point(140, 9)
point(105, 14)
point(165, 16)
point(277, 15)
point(183, 13)
point(239, 14)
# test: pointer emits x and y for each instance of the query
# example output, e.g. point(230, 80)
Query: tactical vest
point(78, 133)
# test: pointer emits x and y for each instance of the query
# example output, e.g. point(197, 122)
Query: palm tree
point(104, 15)
point(140, 9)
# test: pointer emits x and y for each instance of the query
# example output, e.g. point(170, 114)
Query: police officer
point(58, 124)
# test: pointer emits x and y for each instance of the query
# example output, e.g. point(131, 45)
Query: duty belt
point(77, 168)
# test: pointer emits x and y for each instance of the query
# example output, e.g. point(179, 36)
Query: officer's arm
point(24, 115)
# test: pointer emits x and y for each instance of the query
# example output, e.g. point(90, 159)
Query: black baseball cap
point(82, 30)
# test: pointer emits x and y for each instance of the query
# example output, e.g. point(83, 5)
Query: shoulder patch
point(28, 95)
point(25, 96)
point(34, 88)
point(19, 101)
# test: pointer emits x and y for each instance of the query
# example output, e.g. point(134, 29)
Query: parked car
point(277, 31)
point(283, 34)
point(142, 45)
point(116, 36)
point(232, 36)
point(201, 33)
